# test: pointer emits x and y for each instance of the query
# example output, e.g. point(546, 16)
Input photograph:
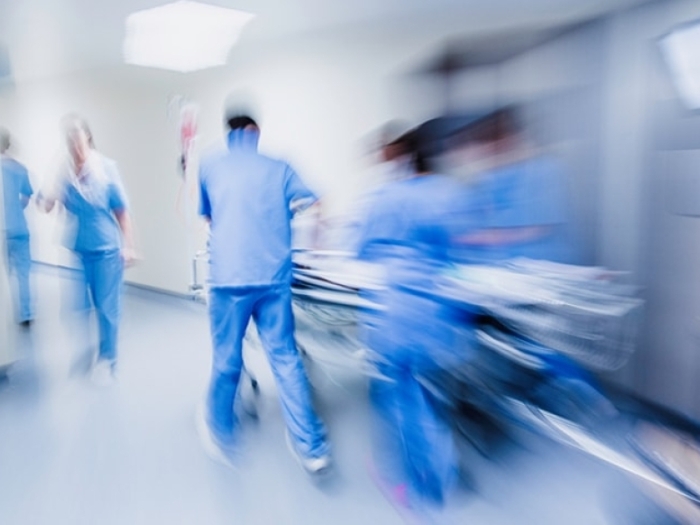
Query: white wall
point(129, 125)
point(656, 157)
point(315, 100)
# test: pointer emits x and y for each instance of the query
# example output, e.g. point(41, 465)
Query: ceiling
point(44, 37)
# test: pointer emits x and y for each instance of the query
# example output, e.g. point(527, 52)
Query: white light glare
point(182, 36)
point(681, 49)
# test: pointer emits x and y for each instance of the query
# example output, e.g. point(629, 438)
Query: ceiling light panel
point(182, 36)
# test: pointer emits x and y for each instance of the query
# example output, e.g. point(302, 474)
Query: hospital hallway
point(75, 453)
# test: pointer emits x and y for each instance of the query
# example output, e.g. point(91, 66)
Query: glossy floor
point(72, 453)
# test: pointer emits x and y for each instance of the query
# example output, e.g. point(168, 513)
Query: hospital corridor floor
point(74, 453)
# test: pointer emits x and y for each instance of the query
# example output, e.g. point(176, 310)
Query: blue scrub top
point(16, 185)
point(526, 194)
point(92, 203)
point(408, 229)
point(249, 199)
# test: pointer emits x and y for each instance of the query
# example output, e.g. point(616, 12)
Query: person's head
point(415, 146)
point(498, 131)
point(243, 132)
point(491, 140)
point(394, 150)
point(78, 138)
point(242, 122)
point(4, 140)
point(389, 147)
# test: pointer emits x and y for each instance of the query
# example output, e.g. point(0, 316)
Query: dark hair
point(4, 140)
point(417, 146)
point(240, 122)
point(499, 125)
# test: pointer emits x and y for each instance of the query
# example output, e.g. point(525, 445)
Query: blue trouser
point(19, 264)
point(414, 445)
point(271, 308)
point(103, 273)
point(412, 338)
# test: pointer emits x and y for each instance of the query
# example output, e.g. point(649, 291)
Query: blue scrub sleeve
point(550, 196)
point(115, 189)
point(26, 188)
point(204, 203)
point(295, 190)
point(380, 229)
point(117, 197)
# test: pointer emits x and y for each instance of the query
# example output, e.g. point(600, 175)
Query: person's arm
point(51, 193)
point(204, 202)
point(119, 205)
point(129, 253)
point(302, 200)
point(26, 190)
point(45, 204)
point(504, 236)
point(299, 196)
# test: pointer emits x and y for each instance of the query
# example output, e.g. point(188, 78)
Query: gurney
point(530, 314)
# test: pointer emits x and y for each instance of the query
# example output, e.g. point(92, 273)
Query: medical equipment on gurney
point(326, 302)
point(532, 314)
point(580, 312)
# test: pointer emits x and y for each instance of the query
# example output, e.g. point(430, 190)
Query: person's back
point(15, 185)
point(411, 334)
point(515, 204)
point(245, 187)
point(249, 200)
point(519, 210)
point(16, 191)
point(406, 227)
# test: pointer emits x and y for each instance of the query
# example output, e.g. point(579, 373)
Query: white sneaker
point(103, 373)
point(206, 438)
point(319, 465)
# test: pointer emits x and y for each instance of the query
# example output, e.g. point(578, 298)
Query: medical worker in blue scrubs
point(518, 198)
point(90, 189)
point(16, 191)
point(249, 200)
point(412, 335)
point(517, 207)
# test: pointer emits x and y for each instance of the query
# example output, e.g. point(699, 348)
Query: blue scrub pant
point(271, 308)
point(19, 264)
point(103, 274)
point(412, 338)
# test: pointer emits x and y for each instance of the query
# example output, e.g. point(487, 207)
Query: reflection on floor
point(72, 453)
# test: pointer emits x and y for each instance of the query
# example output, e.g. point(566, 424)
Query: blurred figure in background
point(17, 191)
point(391, 163)
point(90, 188)
point(514, 204)
point(249, 200)
point(412, 334)
point(516, 194)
